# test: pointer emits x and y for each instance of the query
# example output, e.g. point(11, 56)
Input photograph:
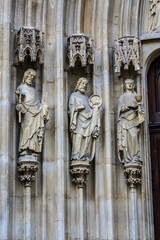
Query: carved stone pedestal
point(79, 171)
point(132, 171)
point(27, 166)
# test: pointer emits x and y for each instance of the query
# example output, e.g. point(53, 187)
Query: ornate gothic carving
point(80, 48)
point(126, 53)
point(29, 43)
point(27, 166)
point(130, 116)
point(32, 115)
point(79, 171)
point(154, 23)
point(84, 126)
point(133, 174)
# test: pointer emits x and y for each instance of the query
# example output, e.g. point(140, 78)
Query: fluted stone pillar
point(4, 117)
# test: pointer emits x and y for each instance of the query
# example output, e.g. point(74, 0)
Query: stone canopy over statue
point(84, 122)
point(130, 116)
point(34, 116)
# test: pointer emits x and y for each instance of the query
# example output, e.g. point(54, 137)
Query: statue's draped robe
point(128, 131)
point(85, 122)
point(154, 15)
point(32, 126)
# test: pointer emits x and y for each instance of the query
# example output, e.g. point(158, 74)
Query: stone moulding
point(27, 166)
point(79, 171)
point(127, 52)
point(29, 42)
point(132, 171)
point(80, 47)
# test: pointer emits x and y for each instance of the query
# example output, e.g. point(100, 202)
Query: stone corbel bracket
point(127, 52)
point(133, 171)
point(29, 43)
point(27, 166)
point(80, 48)
point(79, 171)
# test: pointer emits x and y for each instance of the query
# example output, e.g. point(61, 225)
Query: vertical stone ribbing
point(27, 213)
point(80, 213)
point(108, 201)
point(5, 118)
point(133, 215)
point(78, 17)
point(28, 15)
point(44, 154)
point(59, 123)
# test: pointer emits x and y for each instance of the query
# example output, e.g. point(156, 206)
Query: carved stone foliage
point(133, 174)
point(154, 23)
point(80, 48)
point(79, 171)
point(127, 52)
point(29, 43)
point(32, 115)
point(130, 115)
point(27, 166)
point(84, 128)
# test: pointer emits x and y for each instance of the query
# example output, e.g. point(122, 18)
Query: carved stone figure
point(84, 122)
point(130, 116)
point(154, 15)
point(35, 114)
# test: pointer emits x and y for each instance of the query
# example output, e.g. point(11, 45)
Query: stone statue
point(35, 115)
point(84, 122)
point(130, 116)
point(154, 23)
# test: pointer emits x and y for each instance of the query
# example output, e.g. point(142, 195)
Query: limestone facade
point(50, 209)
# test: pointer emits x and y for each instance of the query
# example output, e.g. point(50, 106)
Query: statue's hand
point(45, 118)
point(72, 127)
point(134, 106)
point(45, 113)
point(141, 111)
point(124, 109)
point(20, 91)
point(20, 108)
point(79, 108)
point(95, 132)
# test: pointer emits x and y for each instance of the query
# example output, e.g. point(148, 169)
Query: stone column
point(77, 26)
point(80, 213)
point(59, 124)
point(27, 213)
point(133, 214)
point(28, 19)
point(5, 96)
point(106, 194)
point(79, 171)
point(132, 172)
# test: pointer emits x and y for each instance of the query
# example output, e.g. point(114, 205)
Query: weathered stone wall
point(54, 197)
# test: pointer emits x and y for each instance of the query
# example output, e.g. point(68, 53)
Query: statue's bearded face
point(83, 86)
point(29, 78)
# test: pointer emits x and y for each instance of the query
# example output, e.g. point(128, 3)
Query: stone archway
point(153, 81)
